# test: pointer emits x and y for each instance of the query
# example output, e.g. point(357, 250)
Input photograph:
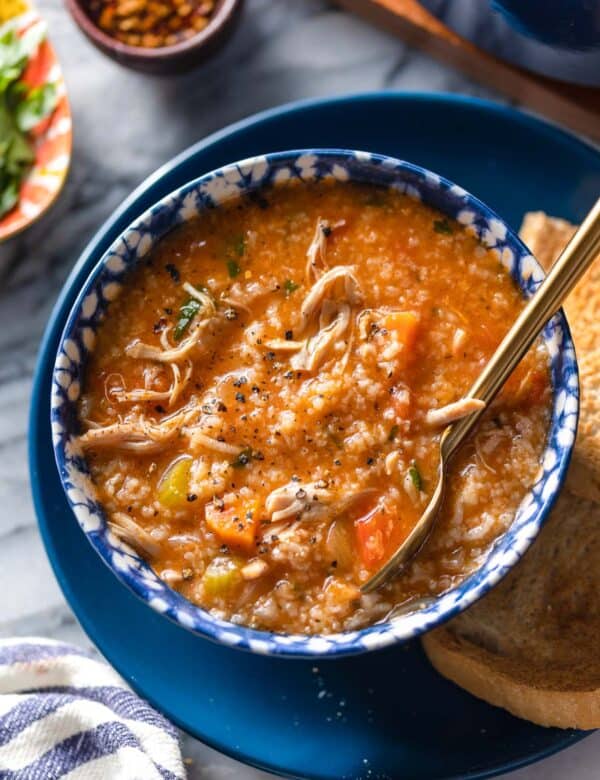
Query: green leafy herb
point(186, 314)
point(36, 105)
point(442, 226)
point(393, 432)
point(21, 109)
point(233, 268)
point(239, 245)
point(290, 286)
point(243, 459)
point(415, 476)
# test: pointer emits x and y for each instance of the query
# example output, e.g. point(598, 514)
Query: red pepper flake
point(151, 24)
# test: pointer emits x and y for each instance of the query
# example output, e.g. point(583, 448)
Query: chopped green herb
point(415, 476)
point(186, 314)
point(233, 268)
point(393, 432)
point(290, 286)
point(239, 245)
point(442, 226)
point(243, 459)
point(21, 108)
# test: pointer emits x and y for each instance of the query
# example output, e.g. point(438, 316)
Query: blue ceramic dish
point(105, 283)
point(557, 38)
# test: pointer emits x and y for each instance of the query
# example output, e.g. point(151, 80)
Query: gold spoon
point(566, 272)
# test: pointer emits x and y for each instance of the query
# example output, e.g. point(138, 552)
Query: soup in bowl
point(251, 389)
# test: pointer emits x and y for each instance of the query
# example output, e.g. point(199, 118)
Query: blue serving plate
point(379, 715)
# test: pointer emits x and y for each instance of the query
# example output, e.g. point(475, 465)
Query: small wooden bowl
point(162, 60)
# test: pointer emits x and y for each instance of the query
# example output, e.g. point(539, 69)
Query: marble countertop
point(282, 51)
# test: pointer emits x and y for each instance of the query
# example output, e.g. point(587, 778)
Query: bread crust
point(474, 669)
point(546, 237)
point(531, 644)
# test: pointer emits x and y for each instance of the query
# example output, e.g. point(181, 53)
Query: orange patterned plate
point(52, 136)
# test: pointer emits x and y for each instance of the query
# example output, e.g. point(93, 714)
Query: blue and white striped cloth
point(64, 714)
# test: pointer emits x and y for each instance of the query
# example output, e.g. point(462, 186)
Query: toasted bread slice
point(546, 237)
point(531, 645)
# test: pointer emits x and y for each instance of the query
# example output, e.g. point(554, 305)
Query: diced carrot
point(235, 525)
point(373, 532)
point(405, 324)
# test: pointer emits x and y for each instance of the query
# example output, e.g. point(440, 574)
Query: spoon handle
point(564, 275)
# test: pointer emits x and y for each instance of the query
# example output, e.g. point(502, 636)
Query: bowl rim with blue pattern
point(209, 191)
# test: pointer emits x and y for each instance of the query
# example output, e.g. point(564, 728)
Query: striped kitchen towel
point(64, 714)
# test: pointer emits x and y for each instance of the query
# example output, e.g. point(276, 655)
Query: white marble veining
point(283, 50)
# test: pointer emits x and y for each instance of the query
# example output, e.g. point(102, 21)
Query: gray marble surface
point(283, 50)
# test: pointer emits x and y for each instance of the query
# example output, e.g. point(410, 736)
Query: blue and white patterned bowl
point(110, 275)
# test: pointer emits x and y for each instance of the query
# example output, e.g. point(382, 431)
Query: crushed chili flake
point(173, 272)
point(151, 24)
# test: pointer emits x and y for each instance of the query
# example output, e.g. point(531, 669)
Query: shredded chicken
point(366, 319)
point(309, 499)
point(138, 349)
point(334, 318)
point(139, 435)
point(296, 498)
point(113, 384)
point(200, 441)
point(322, 289)
point(209, 308)
point(343, 362)
point(453, 412)
point(144, 394)
point(235, 304)
point(316, 253)
point(284, 345)
point(333, 324)
point(133, 534)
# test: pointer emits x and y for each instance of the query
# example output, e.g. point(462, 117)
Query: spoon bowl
point(576, 258)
